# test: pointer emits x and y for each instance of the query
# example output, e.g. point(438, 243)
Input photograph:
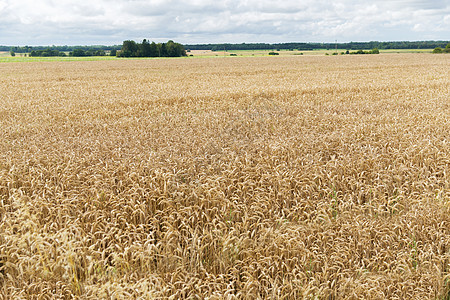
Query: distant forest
point(245, 46)
point(28, 49)
point(316, 46)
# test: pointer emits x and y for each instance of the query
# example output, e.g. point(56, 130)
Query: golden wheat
point(221, 178)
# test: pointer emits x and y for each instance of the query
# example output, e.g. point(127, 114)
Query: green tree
point(145, 49)
point(447, 48)
point(154, 50)
point(129, 49)
point(100, 53)
point(437, 50)
point(78, 53)
point(12, 53)
point(162, 50)
point(175, 49)
point(171, 49)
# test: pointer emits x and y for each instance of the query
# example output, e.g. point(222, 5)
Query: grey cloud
point(418, 4)
point(203, 21)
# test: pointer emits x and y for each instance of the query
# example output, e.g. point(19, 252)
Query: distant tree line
point(316, 46)
point(77, 52)
point(373, 51)
point(147, 49)
point(81, 52)
point(47, 53)
point(66, 49)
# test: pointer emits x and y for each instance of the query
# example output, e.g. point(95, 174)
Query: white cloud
point(205, 21)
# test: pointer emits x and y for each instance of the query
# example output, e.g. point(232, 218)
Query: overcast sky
point(107, 22)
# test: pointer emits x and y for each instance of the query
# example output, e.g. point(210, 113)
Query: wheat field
point(226, 178)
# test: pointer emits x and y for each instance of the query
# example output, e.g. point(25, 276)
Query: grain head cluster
point(226, 178)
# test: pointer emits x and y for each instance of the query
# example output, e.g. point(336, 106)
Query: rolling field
point(300, 177)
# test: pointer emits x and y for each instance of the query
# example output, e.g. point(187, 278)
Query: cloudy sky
point(107, 22)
